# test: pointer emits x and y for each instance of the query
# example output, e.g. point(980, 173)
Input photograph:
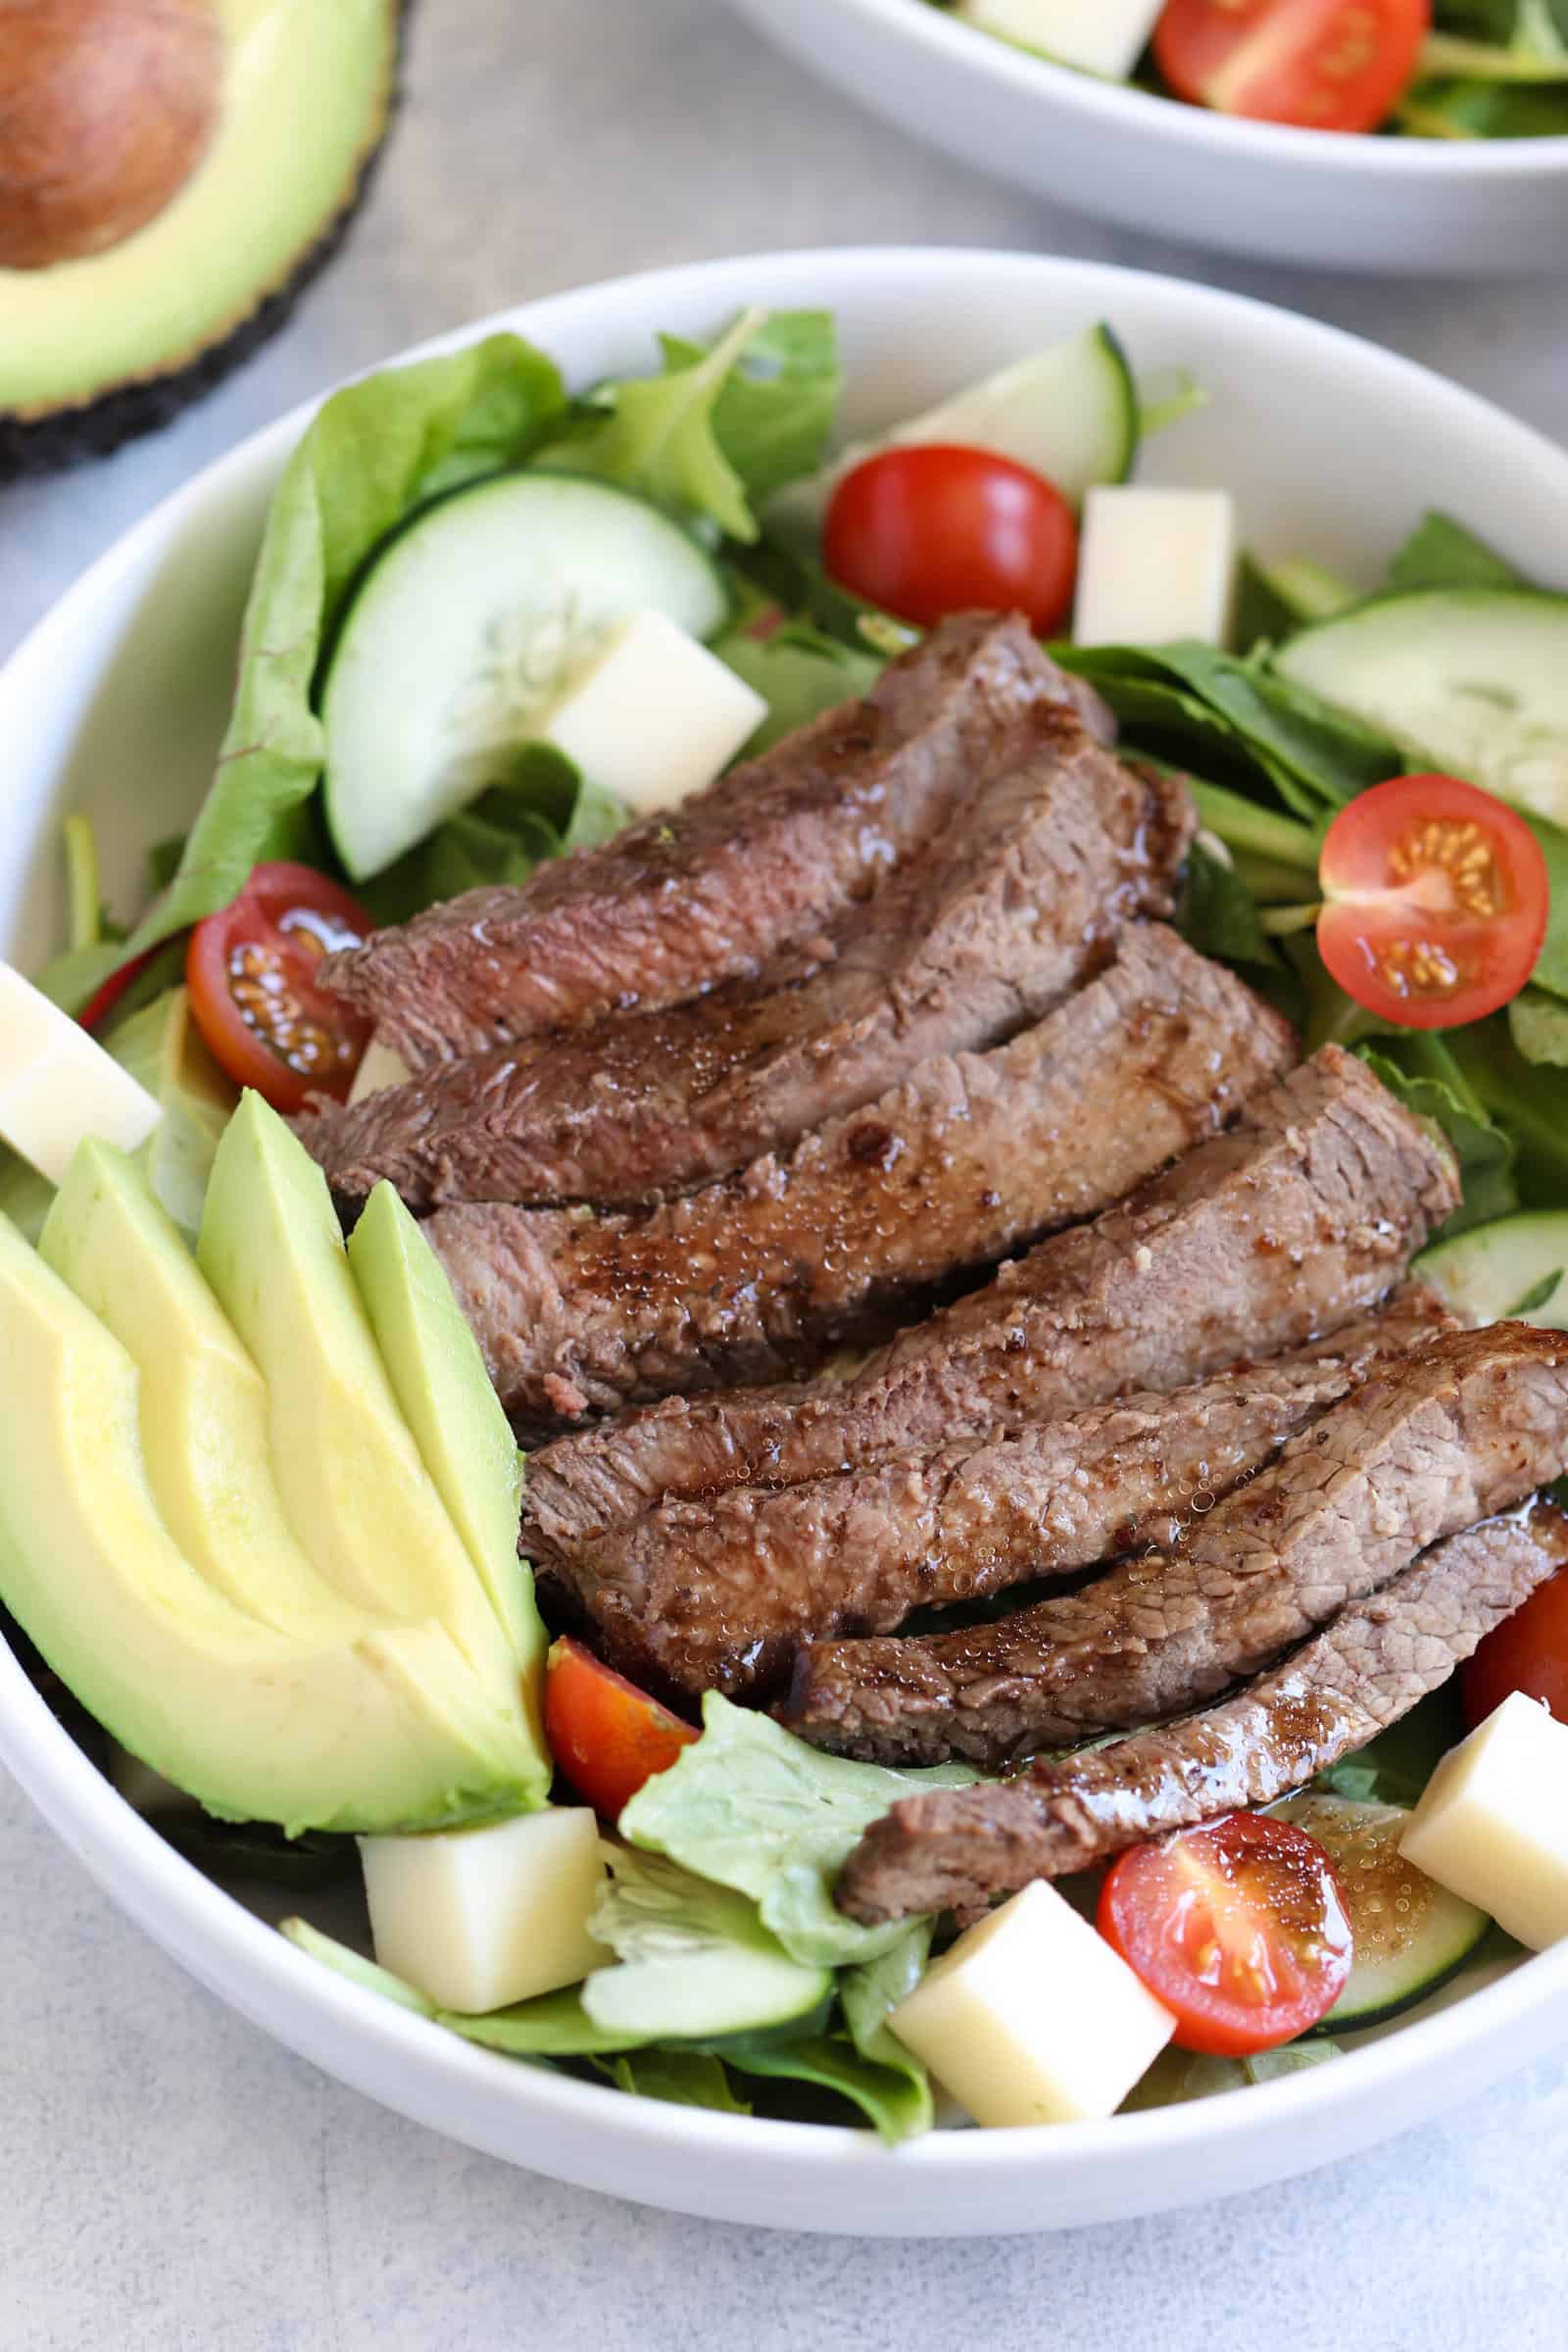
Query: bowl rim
point(1123, 106)
point(249, 1965)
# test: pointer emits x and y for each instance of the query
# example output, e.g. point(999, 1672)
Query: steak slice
point(1299, 1218)
point(1418, 1451)
point(971, 1155)
point(722, 1593)
point(710, 891)
point(1052, 850)
point(957, 1849)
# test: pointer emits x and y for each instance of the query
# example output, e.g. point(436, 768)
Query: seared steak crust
point(1298, 1219)
point(1418, 1451)
point(709, 892)
point(1051, 852)
point(722, 1592)
point(957, 1849)
point(753, 1278)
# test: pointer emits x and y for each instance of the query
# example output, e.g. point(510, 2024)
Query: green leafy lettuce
point(374, 452)
point(1441, 553)
point(757, 1809)
point(719, 427)
point(1418, 1067)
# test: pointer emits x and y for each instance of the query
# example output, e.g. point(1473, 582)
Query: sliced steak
point(956, 1849)
point(1300, 1217)
point(1052, 853)
point(710, 891)
point(753, 1278)
point(722, 1593)
point(1418, 1451)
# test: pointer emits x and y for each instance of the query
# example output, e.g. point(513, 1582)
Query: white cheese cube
point(654, 716)
point(1101, 36)
point(58, 1086)
point(1155, 566)
point(482, 1918)
point(1031, 2018)
point(1493, 1823)
point(379, 1068)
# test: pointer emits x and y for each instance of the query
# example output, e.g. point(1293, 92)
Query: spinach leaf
point(800, 673)
point(758, 1810)
point(1490, 21)
point(1219, 915)
point(1394, 1768)
point(499, 838)
point(1441, 553)
point(1528, 1100)
point(372, 453)
point(1489, 110)
point(681, 2077)
point(1418, 1067)
point(889, 2097)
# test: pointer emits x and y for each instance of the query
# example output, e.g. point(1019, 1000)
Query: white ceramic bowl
point(115, 703)
point(1391, 204)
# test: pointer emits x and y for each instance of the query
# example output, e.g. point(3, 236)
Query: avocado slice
point(139, 265)
point(464, 1439)
point(203, 1403)
point(354, 1486)
point(387, 1731)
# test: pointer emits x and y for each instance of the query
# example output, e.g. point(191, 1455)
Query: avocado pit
point(107, 108)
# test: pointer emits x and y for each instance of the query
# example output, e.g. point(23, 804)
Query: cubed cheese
point(482, 1918)
point(1031, 2018)
point(379, 1068)
point(654, 716)
point(1493, 1823)
point(1156, 566)
point(58, 1087)
point(1101, 36)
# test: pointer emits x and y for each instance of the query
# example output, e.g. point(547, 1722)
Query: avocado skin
point(93, 429)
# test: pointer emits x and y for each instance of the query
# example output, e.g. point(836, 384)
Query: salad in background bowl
point(721, 1996)
point(1467, 173)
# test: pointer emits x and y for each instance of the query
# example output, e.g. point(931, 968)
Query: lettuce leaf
point(681, 2077)
point(374, 452)
point(886, 2096)
point(757, 1809)
point(1419, 1069)
point(1441, 553)
point(800, 673)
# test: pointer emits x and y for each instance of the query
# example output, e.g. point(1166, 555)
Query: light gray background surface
point(175, 2182)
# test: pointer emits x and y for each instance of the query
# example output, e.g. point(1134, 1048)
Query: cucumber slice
point(1411, 1935)
point(1069, 412)
point(1470, 680)
point(1515, 1269)
point(704, 1995)
point(466, 630)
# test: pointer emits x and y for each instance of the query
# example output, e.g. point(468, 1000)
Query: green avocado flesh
point(367, 1735)
point(176, 1537)
point(443, 1390)
point(308, 87)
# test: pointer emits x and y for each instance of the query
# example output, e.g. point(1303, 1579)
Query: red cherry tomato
point(1238, 1928)
point(925, 532)
point(258, 1003)
point(607, 1736)
point(1436, 899)
point(1529, 1652)
point(1318, 65)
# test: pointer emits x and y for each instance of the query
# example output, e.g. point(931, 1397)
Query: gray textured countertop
point(175, 2182)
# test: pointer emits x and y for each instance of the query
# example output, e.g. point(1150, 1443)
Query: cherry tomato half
point(607, 1736)
point(1436, 899)
point(1238, 1928)
point(257, 1001)
point(1317, 65)
point(1529, 1652)
point(925, 532)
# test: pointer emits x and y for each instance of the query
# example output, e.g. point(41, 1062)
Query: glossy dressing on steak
point(1421, 1449)
point(1049, 853)
point(971, 1155)
point(709, 892)
point(1299, 1218)
point(958, 1848)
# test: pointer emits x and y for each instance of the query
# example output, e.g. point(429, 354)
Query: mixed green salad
point(1428, 69)
point(258, 1502)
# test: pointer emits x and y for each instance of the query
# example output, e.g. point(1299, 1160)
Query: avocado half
point(175, 173)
